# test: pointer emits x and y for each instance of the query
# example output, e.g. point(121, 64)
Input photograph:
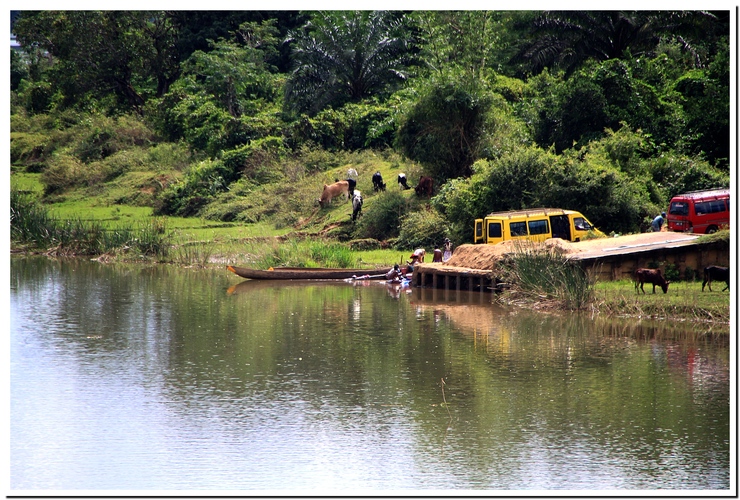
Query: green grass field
point(200, 241)
point(684, 299)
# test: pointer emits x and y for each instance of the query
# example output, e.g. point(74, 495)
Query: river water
point(136, 378)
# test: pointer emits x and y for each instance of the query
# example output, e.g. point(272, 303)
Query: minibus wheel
point(711, 229)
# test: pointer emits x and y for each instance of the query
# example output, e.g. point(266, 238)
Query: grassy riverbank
point(684, 300)
point(82, 225)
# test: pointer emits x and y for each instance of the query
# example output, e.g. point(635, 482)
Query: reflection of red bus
point(700, 211)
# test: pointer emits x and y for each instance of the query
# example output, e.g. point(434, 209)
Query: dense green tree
point(566, 39)
point(584, 181)
point(234, 73)
point(196, 29)
point(132, 55)
point(98, 54)
point(341, 57)
point(705, 101)
point(445, 128)
point(511, 182)
point(18, 69)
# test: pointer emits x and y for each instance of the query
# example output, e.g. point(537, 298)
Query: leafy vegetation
point(239, 118)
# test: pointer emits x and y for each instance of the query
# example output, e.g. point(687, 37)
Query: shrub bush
point(63, 172)
point(186, 197)
point(426, 228)
point(168, 156)
point(382, 219)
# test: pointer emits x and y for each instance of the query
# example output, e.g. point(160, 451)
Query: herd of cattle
point(655, 278)
point(346, 189)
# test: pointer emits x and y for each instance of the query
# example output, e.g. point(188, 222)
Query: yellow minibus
point(535, 224)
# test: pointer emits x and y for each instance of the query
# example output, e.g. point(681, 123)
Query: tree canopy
point(611, 112)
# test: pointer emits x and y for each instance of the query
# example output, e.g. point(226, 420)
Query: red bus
point(700, 211)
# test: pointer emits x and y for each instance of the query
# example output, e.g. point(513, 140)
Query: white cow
point(356, 205)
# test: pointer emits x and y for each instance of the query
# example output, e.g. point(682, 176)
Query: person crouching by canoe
point(417, 256)
point(394, 273)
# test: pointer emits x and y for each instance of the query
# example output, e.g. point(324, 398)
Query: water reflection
point(125, 377)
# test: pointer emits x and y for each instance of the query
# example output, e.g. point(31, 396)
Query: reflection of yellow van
point(536, 224)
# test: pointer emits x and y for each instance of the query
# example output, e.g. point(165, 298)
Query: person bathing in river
point(394, 273)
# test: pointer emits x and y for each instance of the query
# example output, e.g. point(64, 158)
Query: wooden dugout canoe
point(306, 273)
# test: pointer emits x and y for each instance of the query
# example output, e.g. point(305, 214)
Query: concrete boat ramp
point(473, 267)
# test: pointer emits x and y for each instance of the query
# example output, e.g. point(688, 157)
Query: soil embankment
point(485, 256)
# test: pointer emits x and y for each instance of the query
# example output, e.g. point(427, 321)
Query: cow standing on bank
point(356, 205)
point(402, 181)
point(425, 187)
point(650, 276)
point(339, 188)
point(378, 184)
point(716, 273)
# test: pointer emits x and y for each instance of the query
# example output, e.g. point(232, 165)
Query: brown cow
point(716, 273)
point(425, 186)
point(652, 276)
point(339, 188)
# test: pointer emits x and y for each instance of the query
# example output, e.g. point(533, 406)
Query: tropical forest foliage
point(606, 112)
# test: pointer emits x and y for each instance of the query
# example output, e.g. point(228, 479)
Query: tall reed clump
point(29, 222)
point(192, 253)
point(32, 225)
point(541, 272)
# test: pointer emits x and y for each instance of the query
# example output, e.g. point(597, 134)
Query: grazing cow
point(339, 188)
point(356, 205)
point(352, 174)
point(351, 189)
point(402, 181)
point(378, 184)
point(417, 256)
point(425, 186)
point(652, 276)
point(716, 273)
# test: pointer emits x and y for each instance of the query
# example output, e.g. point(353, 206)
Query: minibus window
point(581, 224)
point(716, 206)
point(478, 229)
point(494, 229)
point(518, 228)
point(538, 227)
point(679, 208)
point(709, 207)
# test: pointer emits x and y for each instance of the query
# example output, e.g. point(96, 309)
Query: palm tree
point(347, 56)
point(566, 39)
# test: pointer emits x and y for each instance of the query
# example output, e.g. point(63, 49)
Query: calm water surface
point(154, 378)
